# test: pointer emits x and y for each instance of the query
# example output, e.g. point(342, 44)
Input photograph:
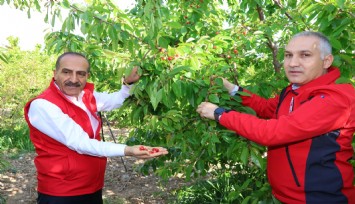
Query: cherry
point(154, 150)
point(142, 148)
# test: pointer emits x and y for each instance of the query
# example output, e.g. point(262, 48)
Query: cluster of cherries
point(154, 150)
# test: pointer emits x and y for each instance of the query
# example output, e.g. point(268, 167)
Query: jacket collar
point(328, 78)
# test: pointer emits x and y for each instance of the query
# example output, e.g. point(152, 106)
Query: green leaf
point(178, 69)
point(163, 42)
point(219, 81)
point(155, 98)
point(177, 88)
point(213, 98)
point(215, 139)
point(136, 114)
point(194, 62)
point(340, 3)
point(336, 43)
point(65, 4)
point(346, 58)
point(244, 156)
point(311, 8)
point(188, 171)
point(199, 26)
point(174, 25)
point(255, 159)
point(242, 93)
point(200, 165)
point(343, 80)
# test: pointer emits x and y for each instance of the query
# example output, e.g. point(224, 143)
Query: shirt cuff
point(234, 91)
point(114, 149)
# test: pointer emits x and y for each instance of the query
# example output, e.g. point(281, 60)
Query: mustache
point(77, 84)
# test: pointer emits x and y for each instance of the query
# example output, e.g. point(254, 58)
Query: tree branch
point(277, 2)
point(273, 47)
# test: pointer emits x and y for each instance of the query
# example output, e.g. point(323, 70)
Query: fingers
point(133, 76)
point(206, 110)
point(146, 152)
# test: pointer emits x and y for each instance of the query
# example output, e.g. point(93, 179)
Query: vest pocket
point(53, 166)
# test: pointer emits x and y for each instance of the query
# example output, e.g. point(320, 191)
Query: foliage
point(3, 57)
point(25, 74)
point(181, 46)
point(226, 188)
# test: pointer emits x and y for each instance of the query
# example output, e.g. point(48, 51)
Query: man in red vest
point(65, 130)
point(308, 128)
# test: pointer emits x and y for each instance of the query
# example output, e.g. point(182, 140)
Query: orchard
point(182, 48)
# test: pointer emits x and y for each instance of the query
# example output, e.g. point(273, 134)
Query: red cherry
point(142, 148)
point(170, 58)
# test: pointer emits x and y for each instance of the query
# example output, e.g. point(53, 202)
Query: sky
point(15, 23)
point(31, 31)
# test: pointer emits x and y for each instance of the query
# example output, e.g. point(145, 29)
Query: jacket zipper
point(282, 96)
point(288, 151)
point(291, 166)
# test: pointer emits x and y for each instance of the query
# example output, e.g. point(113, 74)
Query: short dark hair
point(57, 64)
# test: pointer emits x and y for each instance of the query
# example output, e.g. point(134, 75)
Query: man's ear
point(328, 61)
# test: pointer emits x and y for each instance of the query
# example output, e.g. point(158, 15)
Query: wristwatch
point(218, 112)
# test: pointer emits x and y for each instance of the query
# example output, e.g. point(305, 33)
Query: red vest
point(60, 170)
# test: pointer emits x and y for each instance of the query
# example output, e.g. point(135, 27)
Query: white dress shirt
point(50, 120)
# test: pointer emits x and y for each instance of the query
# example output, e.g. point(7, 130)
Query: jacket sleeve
point(264, 108)
point(322, 114)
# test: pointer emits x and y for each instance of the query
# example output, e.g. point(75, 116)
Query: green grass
point(15, 137)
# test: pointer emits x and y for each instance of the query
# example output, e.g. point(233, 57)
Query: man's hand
point(206, 110)
point(144, 152)
point(133, 77)
point(228, 85)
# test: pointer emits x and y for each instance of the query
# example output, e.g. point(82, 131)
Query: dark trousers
point(93, 198)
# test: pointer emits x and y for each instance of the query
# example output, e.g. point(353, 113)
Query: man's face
point(303, 61)
point(72, 75)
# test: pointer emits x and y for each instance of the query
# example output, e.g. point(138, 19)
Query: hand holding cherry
point(145, 152)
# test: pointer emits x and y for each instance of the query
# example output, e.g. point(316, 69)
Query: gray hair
point(325, 47)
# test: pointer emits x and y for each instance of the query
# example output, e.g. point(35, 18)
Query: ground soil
point(18, 182)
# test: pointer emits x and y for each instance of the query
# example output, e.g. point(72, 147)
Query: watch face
point(220, 110)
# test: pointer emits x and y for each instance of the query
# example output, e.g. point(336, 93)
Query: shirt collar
point(72, 98)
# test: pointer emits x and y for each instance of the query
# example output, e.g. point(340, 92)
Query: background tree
point(180, 47)
point(24, 75)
